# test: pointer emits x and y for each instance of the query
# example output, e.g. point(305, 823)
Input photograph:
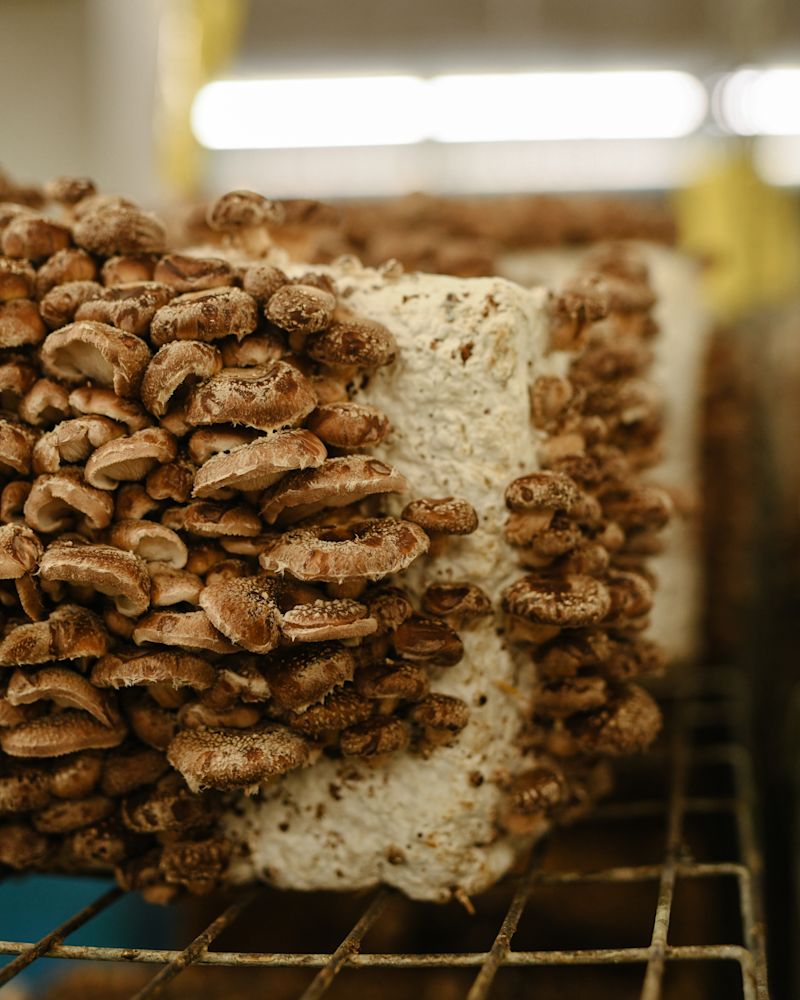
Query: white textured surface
point(677, 372)
point(458, 400)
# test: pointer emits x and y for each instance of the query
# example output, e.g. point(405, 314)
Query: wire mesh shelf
point(701, 774)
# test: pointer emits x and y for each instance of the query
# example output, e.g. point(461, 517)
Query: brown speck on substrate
point(466, 351)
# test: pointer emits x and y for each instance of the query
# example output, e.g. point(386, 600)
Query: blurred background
point(696, 102)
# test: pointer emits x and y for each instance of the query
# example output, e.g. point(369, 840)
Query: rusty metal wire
point(711, 698)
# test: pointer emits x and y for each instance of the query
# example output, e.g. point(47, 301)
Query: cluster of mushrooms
point(192, 542)
point(584, 527)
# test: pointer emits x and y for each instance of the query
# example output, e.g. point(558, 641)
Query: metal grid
point(714, 700)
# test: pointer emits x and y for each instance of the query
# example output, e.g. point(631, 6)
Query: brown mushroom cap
point(20, 551)
point(340, 710)
point(67, 265)
point(61, 303)
point(69, 190)
point(16, 379)
point(242, 210)
point(60, 734)
point(375, 737)
point(217, 521)
point(430, 640)
point(197, 864)
point(127, 268)
point(338, 482)
point(129, 306)
point(245, 610)
point(187, 629)
point(150, 541)
point(55, 501)
point(20, 323)
point(640, 507)
point(359, 342)
point(198, 715)
point(21, 846)
point(390, 607)
point(23, 787)
point(92, 399)
point(63, 687)
point(368, 549)
point(96, 351)
point(256, 349)
point(170, 368)
point(263, 280)
point(118, 229)
point(16, 445)
point(153, 725)
point(125, 770)
point(261, 463)
point(542, 491)
point(441, 712)
point(459, 602)
point(64, 817)
point(304, 675)
point(238, 680)
point(193, 274)
point(323, 620)
point(17, 279)
point(206, 315)
point(404, 681)
point(34, 237)
point(231, 758)
point(207, 442)
point(109, 570)
point(629, 724)
point(162, 666)
point(173, 586)
point(567, 696)
point(129, 458)
point(70, 633)
point(267, 398)
point(45, 403)
point(169, 806)
point(73, 441)
point(349, 425)
point(572, 602)
point(300, 308)
point(448, 516)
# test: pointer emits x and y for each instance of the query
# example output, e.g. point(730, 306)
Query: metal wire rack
point(706, 734)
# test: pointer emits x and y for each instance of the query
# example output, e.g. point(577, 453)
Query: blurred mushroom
point(167, 807)
point(109, 229)
point(193, 274)
point(244, 218)
point(126, 769)
point(21, 846)
point(153, 725)
point(17, 280)
point(196, 864)
point(63, 267)
point(263, 280)
point(261, 463)
point(109, 570)
point(16, 445)
point(16, 379)
point(127, 268)
point(34, 237)
point(533, 799)
point(441, 717)
point(65, 817)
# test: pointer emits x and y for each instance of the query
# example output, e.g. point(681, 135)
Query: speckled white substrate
point(677, 372)
point(458, 400)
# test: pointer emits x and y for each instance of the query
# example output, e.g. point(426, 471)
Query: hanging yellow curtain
point(749, 232)
point(197, 40)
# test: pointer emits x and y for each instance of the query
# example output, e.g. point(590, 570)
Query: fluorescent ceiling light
point(293, 113)
point(759, 101)
point(401, 110)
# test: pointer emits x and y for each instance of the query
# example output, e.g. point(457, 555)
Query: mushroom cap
point(565, 696)
point(349, 425)
point(119, 229)
point(69, 190)
point(96, 351)
point(20, 551)
point(205, 315)
point(448, 516)
point(34, 237)
point(428, 640)
point(259, 348)
point(62, 733)
point(185, 273)
point(46, 402)
point(153, 725)
point(368, 549)
point(341, 709)
point(172, 481)
point(207, 442)
point(65, 687)
point(441, 712)
point(127, 268)
point(64, 817)
point(245, 610)
point(61, 303)
point(130, 306)
point(169, 806)
point(129, 458)
point(362, 342)
point(150, 541)
point(23, 787)
point(70, 633)
point(305, 675)
point(121, 575)
point(460, 601)
point(88, 399)
point(263, 280)
point(570, 602)
point(173, 586)
point(300, 308)
point(198, 715)
point(266, 397)
point(628, 724)
point(16, 446)
point(161, 666)
point(218, 521)
point(542, 491)
point(71, 264)
point(17, 279)
point(338, 482)
point(238, 680)
point(54, 501)
point(125, 770)
point(405, 681)
point(20, 323)
point(228, 759)
point(195, 861)
point(242, 210)
point(133, 502)
point(261, 463)
point(171, 366)
point(21, 846)
point(640, 507)
point(16, 379)
point(187, 629)
point(390, 607)
point(323, 620)
point(375, 737)
point(73, 441)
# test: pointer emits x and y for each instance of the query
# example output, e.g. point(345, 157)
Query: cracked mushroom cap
point(150, 541)
point(207, 315)
point(187, 629)
point(16, 446)
point(56, 501)
point(261, 463)
point(130, 306)
point(20, 551)
point(62, 733)
point(370, 550)
point(448, 516)
point(338, 482)
point(359, 342)
point(323, 620)
point(87, 350)
point(73, 441)
point(90, 399)
point(305, 675)
point(267, 397)
point(171, 367)
point(349, 425)
point(20, 324)
point(70, 633)
point(130, 458)
point(242, 209)
point(118, 229)
point(162, 666)
point(376, 737)
point(245, 610)
point(121, 575)
point(228, 759)
point(65, 688)
point(572, 602)
point(185, 273)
